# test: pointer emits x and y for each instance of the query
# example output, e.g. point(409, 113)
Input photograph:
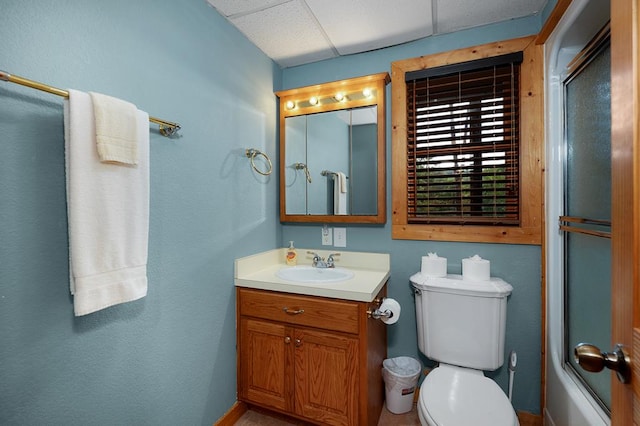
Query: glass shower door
point(586, 224)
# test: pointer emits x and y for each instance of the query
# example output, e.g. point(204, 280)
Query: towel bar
point(167, 128)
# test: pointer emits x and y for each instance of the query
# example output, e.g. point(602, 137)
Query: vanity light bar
point(366, 93)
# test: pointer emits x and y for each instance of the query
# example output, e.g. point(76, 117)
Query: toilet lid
point(459, 396)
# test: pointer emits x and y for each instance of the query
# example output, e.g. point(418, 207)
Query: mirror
point(331, 162)
point(332, 150)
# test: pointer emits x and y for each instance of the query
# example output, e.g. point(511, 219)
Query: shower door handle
point(590, 358)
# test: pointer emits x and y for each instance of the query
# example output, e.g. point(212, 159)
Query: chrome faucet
point(319, 262)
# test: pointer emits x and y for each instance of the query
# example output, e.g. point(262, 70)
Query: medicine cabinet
point(332, 151)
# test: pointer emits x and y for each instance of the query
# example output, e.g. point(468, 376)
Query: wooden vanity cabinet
point(314, 358)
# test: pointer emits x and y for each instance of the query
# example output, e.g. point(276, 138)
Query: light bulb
point(367, 93)
point(290, 105)
point(339, 96)
point(313, 100)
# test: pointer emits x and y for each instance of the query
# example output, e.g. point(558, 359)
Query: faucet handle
point(316, 257)
point(330, 259)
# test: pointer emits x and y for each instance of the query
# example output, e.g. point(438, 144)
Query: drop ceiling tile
point(287, 33)
point(453, 15)
point(360, 25)
point(240, 7)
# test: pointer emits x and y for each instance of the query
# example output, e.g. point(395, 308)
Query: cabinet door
point(265, 353)
point(326, 377)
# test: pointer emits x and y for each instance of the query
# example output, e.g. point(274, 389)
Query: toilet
point(461, 325)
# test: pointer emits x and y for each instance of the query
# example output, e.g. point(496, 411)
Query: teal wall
point(520, 265)
point(169, 358)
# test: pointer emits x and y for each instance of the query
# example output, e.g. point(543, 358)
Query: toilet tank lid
point(455, 284)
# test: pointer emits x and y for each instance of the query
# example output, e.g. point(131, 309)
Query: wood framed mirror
point(333, 153)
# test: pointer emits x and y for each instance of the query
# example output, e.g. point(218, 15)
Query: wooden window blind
point(463, 143)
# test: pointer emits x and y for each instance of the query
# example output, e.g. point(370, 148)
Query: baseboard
point(233, 415)
point(529, 419)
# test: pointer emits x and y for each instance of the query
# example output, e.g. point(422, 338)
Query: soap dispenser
point(292, 256)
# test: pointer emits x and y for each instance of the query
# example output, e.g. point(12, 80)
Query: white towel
point(340, 194)
point(116, 129)
point(108, 214)
point(343, 182)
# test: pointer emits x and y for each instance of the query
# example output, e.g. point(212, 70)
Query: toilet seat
point(456, 396)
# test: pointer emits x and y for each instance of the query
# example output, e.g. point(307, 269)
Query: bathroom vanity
point(310, 349)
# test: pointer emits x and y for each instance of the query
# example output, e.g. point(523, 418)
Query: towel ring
point(252, 153)
point(303, 166)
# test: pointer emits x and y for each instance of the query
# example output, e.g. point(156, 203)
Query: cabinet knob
point(298, 343)
point(287, 340)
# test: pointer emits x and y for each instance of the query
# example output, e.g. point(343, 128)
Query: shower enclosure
point(578, 120)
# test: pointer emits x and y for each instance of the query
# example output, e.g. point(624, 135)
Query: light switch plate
point(340, 237)
point(327, 236)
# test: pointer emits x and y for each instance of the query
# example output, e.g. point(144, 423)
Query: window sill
point(470, 234)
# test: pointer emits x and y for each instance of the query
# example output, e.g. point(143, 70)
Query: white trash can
point(400, 379)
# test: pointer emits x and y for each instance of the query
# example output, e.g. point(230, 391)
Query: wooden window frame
point(531, 148)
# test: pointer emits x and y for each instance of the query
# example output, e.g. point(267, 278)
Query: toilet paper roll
point(476, 268)
point(393, 307)
point(434, 266)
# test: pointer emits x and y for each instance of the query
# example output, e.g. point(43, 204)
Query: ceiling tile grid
point(454, 15)
point(360, 25)
point(242, 7)
point(287, 33)
point(295, 32)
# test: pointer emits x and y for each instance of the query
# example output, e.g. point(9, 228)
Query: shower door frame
point(582, 226)
point(560, 399)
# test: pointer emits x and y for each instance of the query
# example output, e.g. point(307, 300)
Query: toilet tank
point(461, 322)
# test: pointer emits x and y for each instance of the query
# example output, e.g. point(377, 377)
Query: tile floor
point(258, 418)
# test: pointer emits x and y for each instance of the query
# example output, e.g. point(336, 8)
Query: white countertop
point(371, 272)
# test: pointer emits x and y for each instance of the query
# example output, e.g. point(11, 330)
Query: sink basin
point(309, 274)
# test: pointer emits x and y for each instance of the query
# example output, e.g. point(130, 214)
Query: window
point(466, 134)
point(462, 142)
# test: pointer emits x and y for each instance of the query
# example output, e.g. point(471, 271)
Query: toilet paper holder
point(377, 313)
